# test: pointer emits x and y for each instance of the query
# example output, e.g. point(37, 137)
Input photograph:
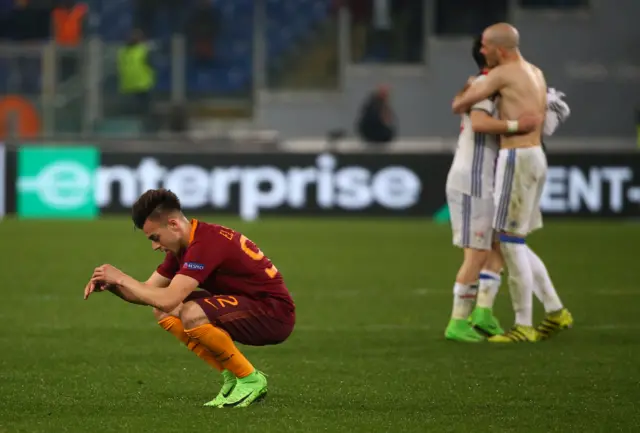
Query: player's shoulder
point(208, 232)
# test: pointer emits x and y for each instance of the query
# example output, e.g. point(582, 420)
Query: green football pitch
point(368, 354)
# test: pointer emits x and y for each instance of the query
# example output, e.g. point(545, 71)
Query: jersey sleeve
point(169, 266)
point(201, 260)
point(486, 104)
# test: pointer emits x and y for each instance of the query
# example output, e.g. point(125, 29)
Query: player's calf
point(516, 256)
point(172, 323)
point(482, 318)
point(465, 288)
point(514, 251)
point(216, 340)
point(241, 379)
point(464, 295)
point(490, 278)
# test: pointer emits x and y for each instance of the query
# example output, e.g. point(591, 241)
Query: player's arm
point(155, 280)
point(163, 298)
point(482, 89)
point(199, 262)
point(484, 123)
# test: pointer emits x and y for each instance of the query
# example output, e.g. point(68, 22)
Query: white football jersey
point(473, 169)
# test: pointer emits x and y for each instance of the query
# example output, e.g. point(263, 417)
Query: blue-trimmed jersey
point(473, 169)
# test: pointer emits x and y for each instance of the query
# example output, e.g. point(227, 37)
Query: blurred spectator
point(201, 29)
point(69, 22)
point(377, 123)
point(137, 79)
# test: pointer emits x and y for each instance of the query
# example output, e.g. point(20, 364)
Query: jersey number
point(223, 301)
point(254, 252)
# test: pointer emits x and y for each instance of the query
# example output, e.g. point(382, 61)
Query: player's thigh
point(471, 220)
point(456, 217)
point(517, 177)
point(481, 223)
point(535, 221)
point(246, 320)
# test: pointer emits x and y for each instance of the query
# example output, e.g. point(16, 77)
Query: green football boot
point(461, 330)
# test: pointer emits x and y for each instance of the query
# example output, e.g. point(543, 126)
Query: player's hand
point(107, 274)
point(529, 122)
point(93, 286)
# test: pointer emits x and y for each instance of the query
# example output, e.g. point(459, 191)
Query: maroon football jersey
point(225, 262)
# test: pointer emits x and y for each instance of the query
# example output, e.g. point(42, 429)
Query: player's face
point(165, 236)
point(491, 53)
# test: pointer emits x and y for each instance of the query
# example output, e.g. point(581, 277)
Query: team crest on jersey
point(194, 266)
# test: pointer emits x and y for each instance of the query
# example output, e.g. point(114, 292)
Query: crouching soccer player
point(244, 298)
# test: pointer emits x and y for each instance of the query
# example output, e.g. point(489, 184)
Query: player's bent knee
point(192, 315)
point(161, 315)
point(475, 254)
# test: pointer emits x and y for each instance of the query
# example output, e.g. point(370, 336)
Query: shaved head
point(502, 35)
point(500, 43)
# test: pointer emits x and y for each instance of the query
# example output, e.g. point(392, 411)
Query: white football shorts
point(520, 178)
point(471, 219)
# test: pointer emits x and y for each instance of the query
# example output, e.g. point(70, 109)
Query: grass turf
point(368, 355)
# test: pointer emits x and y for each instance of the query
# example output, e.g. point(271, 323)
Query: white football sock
point(488, 288)
point(464, 296)
point(521, 280)
point(544, 289)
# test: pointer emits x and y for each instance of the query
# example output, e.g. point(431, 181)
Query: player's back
point(525, 93)
point(244, 265)
point(473, 164)
point(225, 262)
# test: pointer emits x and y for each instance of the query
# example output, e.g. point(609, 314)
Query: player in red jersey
point(243, 297)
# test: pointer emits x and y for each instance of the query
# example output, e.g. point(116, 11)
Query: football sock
point(222, 348)
point(464, 296)
point(488, 289)
point(174, 326)
point(544, 286)
point(521, 281)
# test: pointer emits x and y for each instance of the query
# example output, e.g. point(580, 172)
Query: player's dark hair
point(153, 204)
point(478, 57)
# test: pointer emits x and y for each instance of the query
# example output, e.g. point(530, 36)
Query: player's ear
point(172, 223)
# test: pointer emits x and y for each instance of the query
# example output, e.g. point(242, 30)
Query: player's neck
point(186, 230)
point(512, 57)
